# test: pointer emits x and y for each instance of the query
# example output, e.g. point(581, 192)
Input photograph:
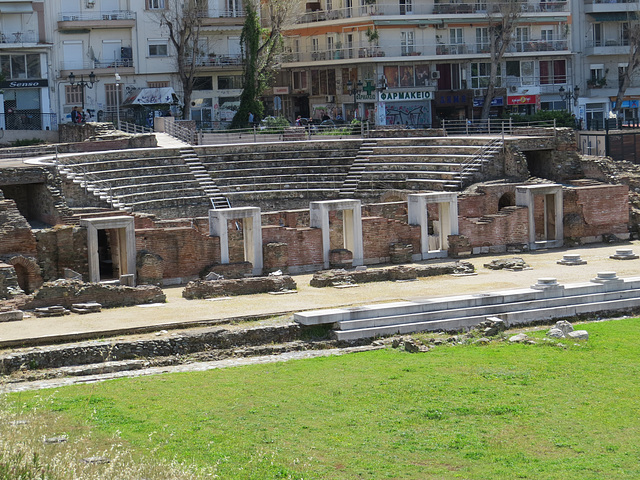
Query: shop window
point(203, 83)
point(230, 82)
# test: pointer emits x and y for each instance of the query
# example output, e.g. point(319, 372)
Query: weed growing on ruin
point(470, 411)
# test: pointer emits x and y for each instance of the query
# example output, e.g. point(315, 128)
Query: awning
point(16, 7)
point(153, 96)
point(614, 16)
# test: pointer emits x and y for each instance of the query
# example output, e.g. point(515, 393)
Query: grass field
point(468, 411)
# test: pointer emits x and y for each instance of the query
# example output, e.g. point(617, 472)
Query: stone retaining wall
point(246, 286)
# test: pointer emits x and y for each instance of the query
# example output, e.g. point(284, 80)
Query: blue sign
point(496, 102)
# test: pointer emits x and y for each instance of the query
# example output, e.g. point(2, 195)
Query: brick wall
point(380, 233)
point(62, 247)
point(591, 211)
point(510, 227)
point(15, 233)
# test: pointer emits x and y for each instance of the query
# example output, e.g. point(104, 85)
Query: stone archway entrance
point(27, 272)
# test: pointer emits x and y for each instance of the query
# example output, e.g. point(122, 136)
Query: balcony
point(220, 18)
point(218, 61)
point(9, 39)
point(366, 51)
point(606, 6)
point(96, 20)
point(610, 46)
point(80, 67)
point(426, 8)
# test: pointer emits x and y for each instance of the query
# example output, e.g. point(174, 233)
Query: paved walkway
point(181, 313)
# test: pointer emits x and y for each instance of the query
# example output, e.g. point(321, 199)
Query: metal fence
point(28, 120)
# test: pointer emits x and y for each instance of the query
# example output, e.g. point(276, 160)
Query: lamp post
point(568, 95)
point(353, 90)
point(82, 83)
point(118, 100)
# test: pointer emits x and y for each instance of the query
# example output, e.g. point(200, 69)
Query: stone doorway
point(434, 235)
point(544, 202)
point(251, 229)
point(111, 246)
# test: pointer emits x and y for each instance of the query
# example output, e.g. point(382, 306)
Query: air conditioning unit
point(435, 75)
point(478, 92)
point(331, 99)
point(440, 26)
point(513, 88)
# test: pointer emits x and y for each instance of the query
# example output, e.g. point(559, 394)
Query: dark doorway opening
point(105, 259)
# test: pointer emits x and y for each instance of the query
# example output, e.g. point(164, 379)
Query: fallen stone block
point(555, 333)
point(241, 286)
point(564, 326)
point(519, 338)
point(91, 307)
point(11, 316)
point(578, 335)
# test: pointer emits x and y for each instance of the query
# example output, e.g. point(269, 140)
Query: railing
point(477, 161)
point(181, 133)
point(366, 50)
point(19, 37)
point(499, 126)
point(28, 120)
point(261, 134)
point(226, 13)
point(93, 64)
point(84, 16)
point(220, 60)
point(133, 128)
point(609, 42)
point(428, 8)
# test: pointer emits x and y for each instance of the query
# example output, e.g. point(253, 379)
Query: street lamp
point(568, 95)
point(118, 100)
point(82, 83)
point(353, 90)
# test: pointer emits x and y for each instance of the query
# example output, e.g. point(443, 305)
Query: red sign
point(522, 100)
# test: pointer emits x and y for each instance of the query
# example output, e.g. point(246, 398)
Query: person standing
point(250, 118)
point(74, 115)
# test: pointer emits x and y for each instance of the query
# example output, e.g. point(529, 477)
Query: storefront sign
point(496, 102)
point(363, 97)
point(280, 90)
point(25, 83)
point(461, 98)
point(521, 100)
point(405, 96)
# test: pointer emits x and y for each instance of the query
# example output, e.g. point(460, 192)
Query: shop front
point(26, 105)
point(453, 104)
point(629, 112)
point(411, 108)
point(523, 104)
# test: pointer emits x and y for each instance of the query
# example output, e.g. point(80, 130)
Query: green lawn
point(474, 412)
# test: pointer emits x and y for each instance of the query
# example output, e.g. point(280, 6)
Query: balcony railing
point(19, 37)
point(228, 13)
point(85, 16)
point(609, 1)
point(95, 64)
point(220, 60)
point(610, 42)
point(427, 8)
point(365, 50)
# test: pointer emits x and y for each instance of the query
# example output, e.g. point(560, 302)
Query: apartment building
point(25, 52)
point(120, 50)
point(603, 35)
point(415, 63)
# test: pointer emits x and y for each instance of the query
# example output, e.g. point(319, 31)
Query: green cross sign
point(369, 88)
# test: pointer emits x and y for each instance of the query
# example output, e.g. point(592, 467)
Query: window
point(624, 33)
point(155, 4)
point(157, 84)
point(522, 40)
point(323, 82)
point(330, 45)
point(72, 95)
point(158, 48)
point(203, 83)
point(546, 35)
point(480, 73)
point(20, 66)
point(230, 82)
point(553, 72)
point(406, 6)
point(597, 75)
point(300, 80)
point(597, 34)
point(406, 43)
point(456, 36)
point(113, 95)
point(520, 72)
point(482, 40)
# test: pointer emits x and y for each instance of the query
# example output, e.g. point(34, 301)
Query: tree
point(260, 47)
point(503, 19)
point(633, 61)
point(183, 19)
